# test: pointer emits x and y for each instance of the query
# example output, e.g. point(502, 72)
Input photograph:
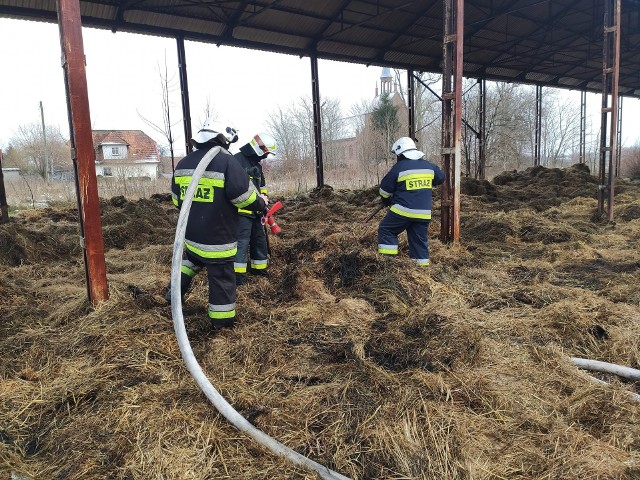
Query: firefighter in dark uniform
point(212, 226)
point(407, 190)
point(252, 239)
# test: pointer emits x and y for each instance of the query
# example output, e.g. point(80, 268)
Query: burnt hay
point(373, 367)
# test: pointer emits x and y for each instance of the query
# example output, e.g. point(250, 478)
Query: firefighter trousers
point(252, 243)
point(392, 225)
point(222, 287)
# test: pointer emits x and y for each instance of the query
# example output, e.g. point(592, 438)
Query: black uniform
point(211, 233)
point(252, 240)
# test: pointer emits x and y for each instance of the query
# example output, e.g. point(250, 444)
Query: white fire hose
point(194, 368)
point(604, 367)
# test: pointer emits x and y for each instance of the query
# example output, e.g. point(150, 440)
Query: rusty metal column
point(610, 74)
point(4, 208)
point(184, 94)
point(482, 150)
point(452, 46)
point(317, 119)
point(583, 127)
point(538, 126)
point(411, 105)
point(82, 151)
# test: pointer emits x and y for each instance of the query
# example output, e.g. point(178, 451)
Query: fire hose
point(218, 401)
point(605, 367)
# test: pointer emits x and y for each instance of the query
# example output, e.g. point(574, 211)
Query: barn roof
point(547, 42)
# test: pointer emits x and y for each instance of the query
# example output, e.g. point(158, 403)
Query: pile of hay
point(376, 368)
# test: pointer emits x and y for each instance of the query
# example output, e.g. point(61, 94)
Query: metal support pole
point(482, 134)
point(82, 151)
point(619, 141)
point(609, 115)
point(4, 208)
point(184, 94)
point(583, 127)
point(44, 139)
point(317, 119)
point(411, 104)
point(452, 46)
point(538, 126)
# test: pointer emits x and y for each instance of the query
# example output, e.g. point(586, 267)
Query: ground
point(377, 369)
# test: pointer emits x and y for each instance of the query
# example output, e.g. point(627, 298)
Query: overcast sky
point(244, 86)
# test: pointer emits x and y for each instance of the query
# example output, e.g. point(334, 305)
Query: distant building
point(125, 153)
point(11, 173)
point(348, 146)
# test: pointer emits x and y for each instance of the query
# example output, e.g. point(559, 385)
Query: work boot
point(219, 324)
point(260, 273)
point(241, 279)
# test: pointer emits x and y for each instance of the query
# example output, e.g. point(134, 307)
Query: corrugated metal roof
point(554, 42)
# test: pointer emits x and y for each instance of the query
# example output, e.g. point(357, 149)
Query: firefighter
point(212, 226)
point(252, 238)
point(407, 190)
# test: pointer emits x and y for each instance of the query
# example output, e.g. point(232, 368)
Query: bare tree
point(293, 129)
point(384, 121)
point(208, 110)
point(168, 85)
point(27, 148)
point(630, 161)
point(560, 127)
point(427, 109)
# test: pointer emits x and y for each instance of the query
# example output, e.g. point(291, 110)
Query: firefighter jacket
point(408, 187)
point(212, 227)
point(251, 163)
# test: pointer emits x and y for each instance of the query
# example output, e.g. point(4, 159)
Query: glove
point(386, 201)
point(265, 198)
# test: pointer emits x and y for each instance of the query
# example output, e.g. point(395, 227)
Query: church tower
point(386, 81)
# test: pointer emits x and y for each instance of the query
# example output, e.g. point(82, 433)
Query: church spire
point(386, 81)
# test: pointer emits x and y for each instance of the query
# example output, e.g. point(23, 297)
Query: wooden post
point(82, 151)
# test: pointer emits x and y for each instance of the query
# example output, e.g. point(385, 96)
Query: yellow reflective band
point(174, 200)
point(204, 192)
point(258, 266)
point(263, 191)
point(221, 254)
point(187, 271)
point(240, 269)
point(412, 176)
point(241, 210)
point(417, 181)
point(421, 216)
point(248, 201)
point(387, 251)
point(220, 315)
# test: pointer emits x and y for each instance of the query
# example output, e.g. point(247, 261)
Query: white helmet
point(263, 144)
point(407, 147)
point(214, 130)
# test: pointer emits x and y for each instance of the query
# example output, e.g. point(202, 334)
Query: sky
point(243, 86)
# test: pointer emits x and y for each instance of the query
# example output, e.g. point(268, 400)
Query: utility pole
point(44, 136)
point(4, 208)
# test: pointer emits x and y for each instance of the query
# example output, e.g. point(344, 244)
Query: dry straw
point(377, 369)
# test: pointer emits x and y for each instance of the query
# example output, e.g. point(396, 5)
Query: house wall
point(11, 173)
point(108, 151)
point(129, 170)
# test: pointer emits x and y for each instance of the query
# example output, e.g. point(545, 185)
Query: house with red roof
point(125, 153)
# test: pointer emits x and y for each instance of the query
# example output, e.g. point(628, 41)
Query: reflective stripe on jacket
point(251, 164)
point(409, 184)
